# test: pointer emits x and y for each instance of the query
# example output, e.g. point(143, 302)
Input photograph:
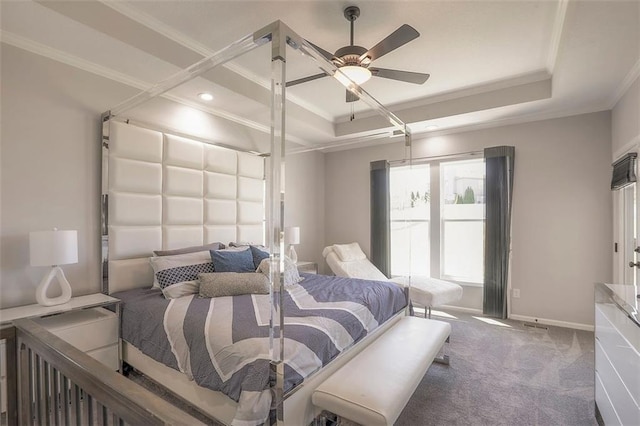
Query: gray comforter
point(223, 343)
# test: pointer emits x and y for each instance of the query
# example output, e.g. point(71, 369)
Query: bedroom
point(56, 83)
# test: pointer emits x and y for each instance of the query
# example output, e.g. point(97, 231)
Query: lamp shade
point(292, 235)
point(48, 248)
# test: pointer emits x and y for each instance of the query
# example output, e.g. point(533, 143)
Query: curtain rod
point(437, 157)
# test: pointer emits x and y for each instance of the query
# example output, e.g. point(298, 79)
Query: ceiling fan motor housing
point(350, 55)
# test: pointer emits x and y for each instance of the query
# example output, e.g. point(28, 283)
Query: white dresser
point(617, 353)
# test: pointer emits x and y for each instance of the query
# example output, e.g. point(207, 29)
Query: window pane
point(410, 211)
point(462, 215)
point(410, 196)
point(463, 250)
point(462, 182)
point(410, 252)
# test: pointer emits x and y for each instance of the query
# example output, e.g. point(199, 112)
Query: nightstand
point(94, 331)
point(308, 267)
point(82, 321)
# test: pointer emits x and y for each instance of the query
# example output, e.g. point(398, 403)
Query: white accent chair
point(348, 260)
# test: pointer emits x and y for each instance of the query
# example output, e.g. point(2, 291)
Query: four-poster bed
point(169, 185)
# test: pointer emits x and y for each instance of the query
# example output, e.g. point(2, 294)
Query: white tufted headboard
point(167, 192)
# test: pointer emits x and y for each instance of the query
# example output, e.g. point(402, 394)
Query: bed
point(167, 187)
point(223, 343)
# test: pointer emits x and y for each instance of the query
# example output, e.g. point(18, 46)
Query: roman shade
point(624, 171)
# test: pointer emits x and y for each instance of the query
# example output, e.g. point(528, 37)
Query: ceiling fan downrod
point(352, 13)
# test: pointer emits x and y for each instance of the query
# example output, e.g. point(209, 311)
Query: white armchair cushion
point(349, 252)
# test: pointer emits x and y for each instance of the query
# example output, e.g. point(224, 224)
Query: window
point(439, 233)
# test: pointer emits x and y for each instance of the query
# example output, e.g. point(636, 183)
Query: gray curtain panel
point(380, 211)
point(499, 162)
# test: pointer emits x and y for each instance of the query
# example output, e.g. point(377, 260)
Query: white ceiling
point(491, 63)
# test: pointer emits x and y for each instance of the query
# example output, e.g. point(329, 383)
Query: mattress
point(223, 343)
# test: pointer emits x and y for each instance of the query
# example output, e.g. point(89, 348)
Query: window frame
point(436, 223)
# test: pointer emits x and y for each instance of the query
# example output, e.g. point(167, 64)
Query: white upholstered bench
point(373, 388)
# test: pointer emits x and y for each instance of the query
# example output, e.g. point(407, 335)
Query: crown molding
point(385, 137)
point(71, 60)
point(518, 119)
point(556, 34)
point(629, 79)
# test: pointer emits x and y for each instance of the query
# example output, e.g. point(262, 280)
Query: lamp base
point(292, 254)
point(41, 291)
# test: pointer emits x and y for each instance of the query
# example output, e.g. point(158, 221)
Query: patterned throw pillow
point(220, 284)
point(180, 270)
point(291, 274)
point(232, 260)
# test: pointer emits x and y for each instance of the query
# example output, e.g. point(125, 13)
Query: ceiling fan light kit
point(353, 61)
point(354, 73)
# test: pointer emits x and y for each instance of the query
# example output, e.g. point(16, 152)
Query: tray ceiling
point(490, 62)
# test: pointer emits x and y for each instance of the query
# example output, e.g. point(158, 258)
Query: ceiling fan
point(354, 61)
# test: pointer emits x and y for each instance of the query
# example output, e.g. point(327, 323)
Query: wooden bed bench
point(374, 387)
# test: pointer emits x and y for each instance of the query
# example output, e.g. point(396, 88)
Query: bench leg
point(444, 359)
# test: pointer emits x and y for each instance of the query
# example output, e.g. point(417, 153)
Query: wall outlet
point(516, 293)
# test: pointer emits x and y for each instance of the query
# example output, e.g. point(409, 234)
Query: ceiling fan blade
point(399, 37)
point(407, 76)
point(352, 97)
point(324, 53)
point(305, 79)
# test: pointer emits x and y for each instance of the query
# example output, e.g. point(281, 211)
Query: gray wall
point(304, 201)
point(49, 167)
point(561, 207)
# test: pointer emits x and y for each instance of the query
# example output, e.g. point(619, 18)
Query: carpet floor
point(502, 373)
point(505, 373)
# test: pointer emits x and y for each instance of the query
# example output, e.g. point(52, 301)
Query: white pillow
point(291, 274)
point(162, 263)
point(349, 252)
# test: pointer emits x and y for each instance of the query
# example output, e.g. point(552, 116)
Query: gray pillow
point(219, 284)
point(192, 249)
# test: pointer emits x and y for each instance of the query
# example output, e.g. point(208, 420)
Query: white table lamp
point(292, 237)
point(53, 248)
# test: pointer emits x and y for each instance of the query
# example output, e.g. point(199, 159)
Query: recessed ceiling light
point(205, 96)
point(431, 127)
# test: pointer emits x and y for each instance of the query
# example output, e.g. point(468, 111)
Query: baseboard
point(565, 324)
point(459, 308)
